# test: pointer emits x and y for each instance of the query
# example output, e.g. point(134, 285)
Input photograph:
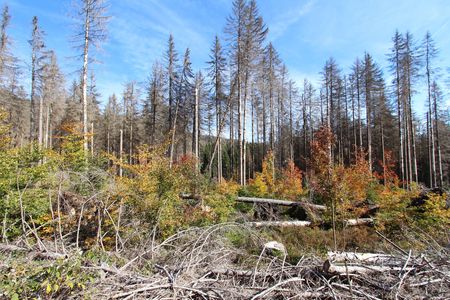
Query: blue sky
point(305, 32)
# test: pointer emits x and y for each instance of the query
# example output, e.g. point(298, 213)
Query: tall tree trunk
point(47, 128)
point(413, 140)
point(121, 153)
point(400, 118)
point(438, 144)
point(33, 98)
point(291, 125)
point(196, 130)
point(174, 128)
point(41, 122)
point(383, 154)
point(358, 98)
point(84, 80)
point(369, 126)
point(92, 139)
point(430, 154)
point(431, 150)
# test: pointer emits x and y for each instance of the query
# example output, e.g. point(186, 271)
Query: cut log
point(357, 222)
point(232, 273)
point(282, 202)
point(361, 269)
point(361, 257)
point(274, 245)
point(280, 224)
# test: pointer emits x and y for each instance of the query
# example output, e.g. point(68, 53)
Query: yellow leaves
point(259, 185)
point(290, 183)
point(435, 210)
point(230, 188)
point(286, 184)
point(264, 183)
point(48, 289)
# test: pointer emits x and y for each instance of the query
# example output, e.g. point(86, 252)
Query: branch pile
point(202, 263)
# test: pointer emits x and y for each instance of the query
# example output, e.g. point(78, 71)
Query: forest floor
point(232, 261)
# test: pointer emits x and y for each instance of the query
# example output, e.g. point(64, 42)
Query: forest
point(230, 182)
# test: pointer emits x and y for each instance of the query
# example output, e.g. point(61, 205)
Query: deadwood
point(282, 202)
point(280, 224)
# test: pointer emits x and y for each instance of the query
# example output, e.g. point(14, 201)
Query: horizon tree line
point(243, 105)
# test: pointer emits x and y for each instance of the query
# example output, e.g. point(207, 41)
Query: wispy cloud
point(283, 22)
point(143, 34)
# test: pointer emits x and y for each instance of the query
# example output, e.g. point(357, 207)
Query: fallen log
point(357, 222)
point(360, 257)
point(33, 253)
point(360, 269)
point(186, 196)
point(280, 224)
point(282, 202)
point(232, 273)
point(12, 248)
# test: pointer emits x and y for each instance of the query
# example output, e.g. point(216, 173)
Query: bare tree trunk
point(219, 146)
point(358, 94)
point(196, 129)
point(400, 117)
point(174, 128)
point(413, 140)
point(305, 128)
point(92, 139)
point(121, 153)
point(244, 142)
point(108, 143)
point(438, 143)
point(431, 150)
point(84, 79)
point(240, 133)
point(383, 155)
point(264, 129)
point(291, 125)
point(232, 140)
point(252, 152)
point(408, 146)
point(47, 127)
point(41, 122)
point(355, 139)
point(369, 128)
point(430, 154)
point(33, 98)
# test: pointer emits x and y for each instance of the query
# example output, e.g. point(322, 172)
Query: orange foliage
point(354, 182)
point(388, 175)
point(321, 162)
point(290, 183)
